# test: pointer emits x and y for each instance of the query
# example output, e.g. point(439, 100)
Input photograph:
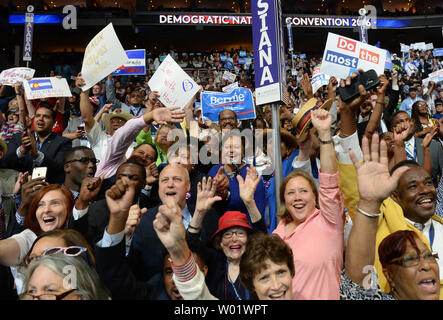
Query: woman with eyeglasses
point(228, 243)
point(409, 266)
point(63, 275)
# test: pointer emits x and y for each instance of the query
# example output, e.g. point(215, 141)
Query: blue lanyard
point(133, 111)
point(233, 286)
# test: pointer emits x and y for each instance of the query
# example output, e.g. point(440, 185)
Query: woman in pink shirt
point(312, 222)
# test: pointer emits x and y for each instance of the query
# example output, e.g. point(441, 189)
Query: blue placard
point(267, 40)
point(136, 64)
point(239, 100)
point(294, 56)
point(438, 52)
point(162, 58)
point(223, 57)
point(242, 53)
point(241, 61)
point(229, 65)
point(302, 55)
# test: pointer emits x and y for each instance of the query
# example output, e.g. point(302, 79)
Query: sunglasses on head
point(72, 251)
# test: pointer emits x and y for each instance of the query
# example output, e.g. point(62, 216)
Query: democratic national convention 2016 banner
point(239, 100)
point(174, 85)
point(103, 55)
point(269, 52)
point(343, 56)
point(52, 87)
point(135, 65)
point(10, 76)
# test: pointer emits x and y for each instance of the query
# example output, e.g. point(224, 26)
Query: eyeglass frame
point(83, 160)
point(29, 260)
point(60, 296)
point(400, 261)
point(224, 235)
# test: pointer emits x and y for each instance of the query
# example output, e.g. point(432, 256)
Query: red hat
point(232, 219)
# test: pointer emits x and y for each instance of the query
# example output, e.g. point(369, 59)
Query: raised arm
point(360, 251)
point(21, 104)
point(321, 120)
point(374, 120)
point(247, 189)
point(86, 109)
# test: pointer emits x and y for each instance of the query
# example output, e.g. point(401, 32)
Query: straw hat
point(302, 120)
point(107, 117)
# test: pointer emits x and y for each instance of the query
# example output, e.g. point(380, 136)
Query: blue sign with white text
point(269, 52)
point(239, 100)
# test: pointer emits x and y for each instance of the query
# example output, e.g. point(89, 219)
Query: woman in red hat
point(230, 239)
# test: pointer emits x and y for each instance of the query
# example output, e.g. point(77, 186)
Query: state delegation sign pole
point(28, 35)
point(270, 71)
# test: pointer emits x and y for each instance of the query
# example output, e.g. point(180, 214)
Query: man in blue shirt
point(407, 103)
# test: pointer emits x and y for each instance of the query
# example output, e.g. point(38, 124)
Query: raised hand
point(401, 132)
point(21, 180)
point(152, 100)
point(79, 81)
point(429, 136)
point(321, 120)
point(381, 89)
point(306, 86)
point(170, 230)
point(134, 217)
point(88, 191)
point(151, 173)
point(29, 189)
point(374, 170)
point(165, 115)
point(305, 147)
point(221, 182)
point(206, 195)
point(354, 104)
point(120, 197)
point(248, 186)
point(332, 87)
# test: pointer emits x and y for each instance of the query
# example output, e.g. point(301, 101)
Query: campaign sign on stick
point(343, 56)
point(229, 76)
point(103, 55)
point(223, 57)
point(302, 55)
point(239, 100)
point(229, 65)
point(230, 87)
point(52, 87)
point(10, 76)
point(404, 48)
point(438, 52)
point(135, 65)
point(318, 79)
point(269, 51)
point(174, 85)
point(242, 53)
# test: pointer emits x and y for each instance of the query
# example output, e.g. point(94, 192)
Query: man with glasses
point(136, 107)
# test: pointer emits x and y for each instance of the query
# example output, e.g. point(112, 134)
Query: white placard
point(229, 76)
point(343, 56)
point(429, 46)
point(103, 55)
point(230, 87)
point(52, 87)
point(318, 79)
point(10, 76)
point(174, 85)
point(404, 48)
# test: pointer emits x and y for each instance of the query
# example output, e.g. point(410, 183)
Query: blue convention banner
point(269, 53)
point(239, 100)
point(136, 64)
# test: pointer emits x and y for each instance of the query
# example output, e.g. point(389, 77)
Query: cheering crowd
point(146, 202)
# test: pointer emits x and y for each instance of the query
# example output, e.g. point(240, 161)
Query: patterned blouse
point(352, 291)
